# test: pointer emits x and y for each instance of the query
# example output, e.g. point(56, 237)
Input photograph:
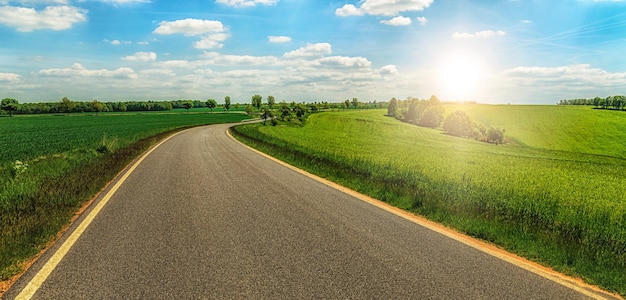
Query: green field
point(554, 193)
point(63, 161)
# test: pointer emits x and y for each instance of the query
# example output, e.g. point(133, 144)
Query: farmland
point(51, 164)
point(553, 193)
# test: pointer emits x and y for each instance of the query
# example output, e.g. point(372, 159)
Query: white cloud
point(348, 10)
point(526, 21)
point(397, 21)
point(246, 3)
point(382, 7)
point(279, 39)
point(239, 60)
point(9, 77)
point(422, 20)
point(52, 17)
point(117, 42)
point(213, 32)
point(77, 70)
point(554, 83)
point(141, 56)
point(345, 62)
point(310, 50)
point(479, 34)
point(190, 27)
point(389, 69)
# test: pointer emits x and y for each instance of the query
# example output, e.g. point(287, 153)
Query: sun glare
point(460, 76)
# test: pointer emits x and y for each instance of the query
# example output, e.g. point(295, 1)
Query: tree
point(67, 105)
point(271, 101)
point(257, 101)
point(10, 105)
point(187, 105)
point(249, 110)
point(96, 106)
point(227, 103)
point(237, 105)
point(267, 114)
point(355, 102)
point(347, 103)
point(458, 124)
point(392, 109)
point(211, 103)
point(285, 112)
point(495, 135)
point(432, 116)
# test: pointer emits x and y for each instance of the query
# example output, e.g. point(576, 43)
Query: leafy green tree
point(285, 112)
point(257, 101)
point(211, 103)
point(267, 114)
point(67, 105)
point(187, 105)
point(495, 135)
point(432, 116)
point(300, 112)
point(271, 101)
point(347, 103)
point(249, 110)
point(9, 105)
point(458, 124)
point(227, 103)
point(355, 102)
point(237, 106)
point(392, 109)
point(96, 106)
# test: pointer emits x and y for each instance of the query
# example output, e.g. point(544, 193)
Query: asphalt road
point(203, 217)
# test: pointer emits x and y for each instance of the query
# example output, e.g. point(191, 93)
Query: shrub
point(458, 124)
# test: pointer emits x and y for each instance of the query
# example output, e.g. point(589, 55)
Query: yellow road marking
point(577, 285)
point(29, 291)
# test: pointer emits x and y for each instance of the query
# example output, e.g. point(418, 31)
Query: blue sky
point(491, 51)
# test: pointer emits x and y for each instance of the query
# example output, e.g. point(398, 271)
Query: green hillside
point(567, 128)
point(555, 194)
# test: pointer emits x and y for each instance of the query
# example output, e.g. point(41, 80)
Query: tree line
point(430, 113)
point(617, 102)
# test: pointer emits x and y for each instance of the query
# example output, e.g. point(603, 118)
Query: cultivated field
point(51, 164)
point(554, 193)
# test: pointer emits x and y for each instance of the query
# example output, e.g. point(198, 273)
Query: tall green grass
point(63, 164)
point(551, 202)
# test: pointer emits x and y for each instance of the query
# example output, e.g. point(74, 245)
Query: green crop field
point(50, 165)
point(554, 193)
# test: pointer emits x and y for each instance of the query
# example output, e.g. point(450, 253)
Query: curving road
point(203, 217)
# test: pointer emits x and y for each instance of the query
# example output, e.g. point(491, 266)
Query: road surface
point(203, 217)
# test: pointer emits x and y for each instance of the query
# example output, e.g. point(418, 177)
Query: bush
point(495, 135)
point(432, 117)
point(458, 124)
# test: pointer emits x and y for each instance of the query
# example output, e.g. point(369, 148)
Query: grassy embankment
point(68, 160)
point(555, 194)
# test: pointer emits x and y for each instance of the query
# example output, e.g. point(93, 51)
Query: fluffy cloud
point(9, 77)
point(190, 27)
point(310, 50)
point(397, 21)
point(477, 35)
point(77, 70)
point(52, 17)
point(246, 3)
point(141, 56)
point(213, 32)
point(389, 69)
point(422, 20)
point(279, 39)
point(382, 7)
point(239, 60)
point(345, 62)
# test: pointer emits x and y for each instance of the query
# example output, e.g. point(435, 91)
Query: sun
point(460, 75)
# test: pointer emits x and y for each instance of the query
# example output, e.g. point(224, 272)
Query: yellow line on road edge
point(29, 291)
point(577, 285)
